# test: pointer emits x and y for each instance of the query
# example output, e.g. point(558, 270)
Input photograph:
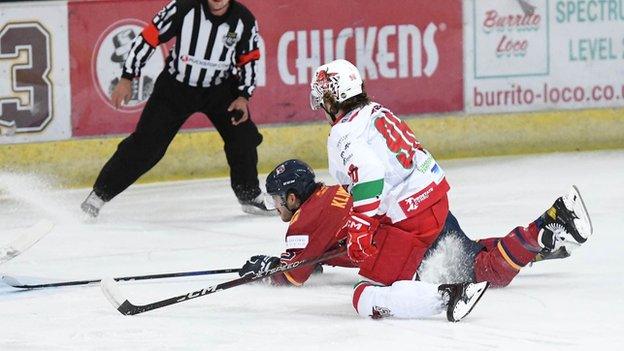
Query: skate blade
point(475, 291)
point(575, 203)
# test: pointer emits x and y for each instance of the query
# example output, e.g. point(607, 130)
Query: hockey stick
point(25, 239)
point(14, 282)
point(113, 294)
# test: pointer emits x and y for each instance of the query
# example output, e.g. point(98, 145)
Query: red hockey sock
point(489, 243)
point(500, 264)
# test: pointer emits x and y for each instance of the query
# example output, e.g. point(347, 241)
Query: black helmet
point(293, 176)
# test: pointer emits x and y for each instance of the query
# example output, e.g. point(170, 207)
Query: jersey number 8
point(399, 138)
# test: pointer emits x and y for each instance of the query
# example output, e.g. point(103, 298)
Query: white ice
point(571, 304)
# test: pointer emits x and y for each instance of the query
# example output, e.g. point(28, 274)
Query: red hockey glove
point(360, 230)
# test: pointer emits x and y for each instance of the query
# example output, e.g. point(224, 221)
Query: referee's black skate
point(461, 298)
point(564, 226)
point(92, 204)
point(260, 205)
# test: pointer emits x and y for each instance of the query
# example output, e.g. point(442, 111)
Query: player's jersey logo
point(353, 174)
point(412, 203)
point(297, 241)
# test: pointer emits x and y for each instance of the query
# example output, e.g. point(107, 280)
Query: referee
point(211, 69)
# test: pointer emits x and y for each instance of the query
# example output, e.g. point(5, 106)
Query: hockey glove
point(258, 264)
point(360, 230)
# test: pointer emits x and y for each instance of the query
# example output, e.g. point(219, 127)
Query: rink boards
point(199, 154)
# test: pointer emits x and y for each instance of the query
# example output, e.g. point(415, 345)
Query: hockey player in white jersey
point(316, 213)
point(400, 223)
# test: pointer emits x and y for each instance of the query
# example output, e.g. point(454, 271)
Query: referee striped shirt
point(208, 49)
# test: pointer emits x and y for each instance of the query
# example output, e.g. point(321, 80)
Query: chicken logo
point(324, 78)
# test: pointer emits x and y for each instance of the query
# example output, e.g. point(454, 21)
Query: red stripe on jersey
point(348, 117)
point(367, 207)
point(150, 34)
point(248, 57)
point(359, 289)
point(354, 115)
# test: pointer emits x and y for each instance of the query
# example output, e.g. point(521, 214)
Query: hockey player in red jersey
point(317, 214)
point(400, 227)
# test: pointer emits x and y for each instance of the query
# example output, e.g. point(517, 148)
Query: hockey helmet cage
point(293, 176)
point(340, 78)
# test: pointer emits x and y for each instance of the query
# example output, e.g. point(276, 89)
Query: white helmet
point(340, 77)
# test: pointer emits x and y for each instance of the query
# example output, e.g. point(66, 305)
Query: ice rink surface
point(571, 304)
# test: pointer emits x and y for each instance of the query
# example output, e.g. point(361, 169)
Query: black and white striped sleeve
point(247, 55)
point(161, 30)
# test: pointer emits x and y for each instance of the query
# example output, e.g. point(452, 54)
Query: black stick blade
point(128, 309)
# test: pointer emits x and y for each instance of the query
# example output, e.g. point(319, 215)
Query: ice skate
point(92, 204)
point(261, 205)
point(565, 225)
point(461, 298)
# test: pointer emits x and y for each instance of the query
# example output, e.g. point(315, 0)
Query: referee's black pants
point(169, 106)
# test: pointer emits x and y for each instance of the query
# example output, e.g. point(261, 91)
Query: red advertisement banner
point(410, 54)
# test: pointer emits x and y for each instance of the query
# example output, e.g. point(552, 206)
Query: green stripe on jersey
point(367, 190)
